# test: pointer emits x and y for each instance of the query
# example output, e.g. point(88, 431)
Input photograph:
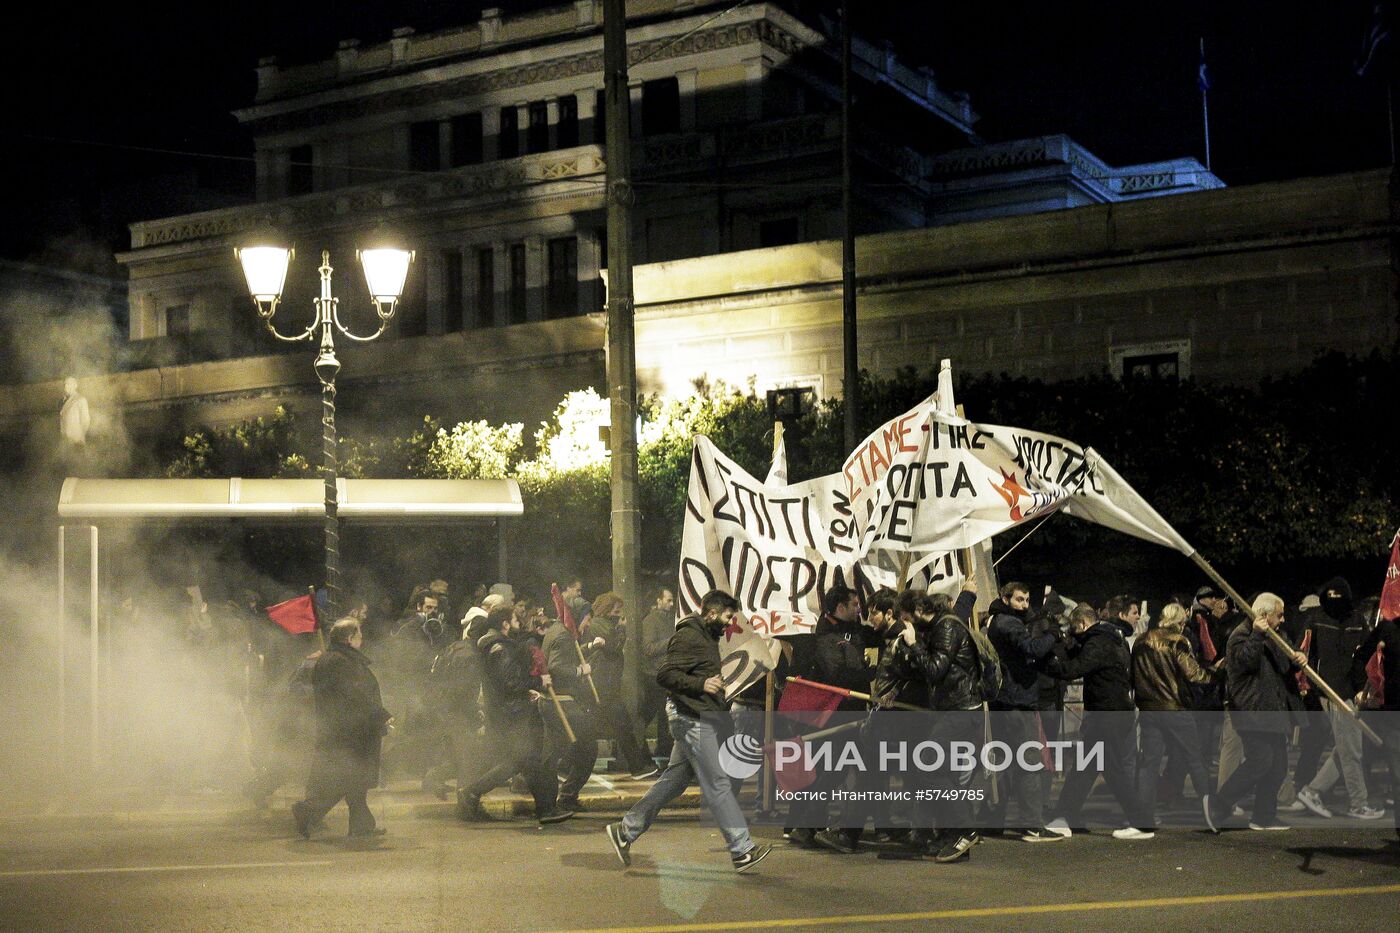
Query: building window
point(661, 107)
point(518, 284)
point(780, 231)
point(567, 130)
point(466, 139)
point(563, 277)
point(424, 138)
point(301, 175)
point(453, 306)
point(600, 118)
point(1166, 360)
point(537, 134)
point(486, 285)
point(177, 321)
point(508, 146)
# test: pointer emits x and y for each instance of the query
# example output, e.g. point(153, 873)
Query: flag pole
point(1205, 104)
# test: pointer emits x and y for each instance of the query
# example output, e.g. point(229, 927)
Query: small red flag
point(1375, 676)
point(809, 703)
point(1390, 592)
point(561, 609)
point(297, 616)
point(1208, 652)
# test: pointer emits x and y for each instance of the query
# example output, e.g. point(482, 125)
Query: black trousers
point(1262, 772)
point(1016, 727)
point(653, 709)
point(1118, 733)
point(1169, 732)
point(951, 810)
point(517, 747)
point(615, 724)
point(337, 775)
point(576, 759)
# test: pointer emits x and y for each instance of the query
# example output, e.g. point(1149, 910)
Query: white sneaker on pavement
point(1310, 799)
point(1366, 813)
point(1059, 827)
point(1132, 832)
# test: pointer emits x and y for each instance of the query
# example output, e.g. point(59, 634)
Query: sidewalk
point(130, 806)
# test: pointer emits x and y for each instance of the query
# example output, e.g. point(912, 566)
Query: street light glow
point(386, 270)
point(265, 269)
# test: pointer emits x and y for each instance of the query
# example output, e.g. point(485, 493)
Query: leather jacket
point(954, 667)
point(1163, 667)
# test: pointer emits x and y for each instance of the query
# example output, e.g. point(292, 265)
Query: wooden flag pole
point(855, 694)
point(589, 676)
point(559, 708)
point(1279, 640)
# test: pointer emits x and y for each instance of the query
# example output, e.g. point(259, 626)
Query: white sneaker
point(1307, 797)
point(1366, 813)
point(1237, 811)
point(1059, 827)
point(1132, 832)
point(1294, 806)
point(1274, 827)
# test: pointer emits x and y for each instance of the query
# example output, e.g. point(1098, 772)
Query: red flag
point(1390, 592)
point(810, 703)
point(539, 666)
point(1304, 685)
point(297, 616)
point(1375, 676)
point(1208, 652)
point(561, 609)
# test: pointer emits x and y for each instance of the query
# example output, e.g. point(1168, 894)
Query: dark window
point(602, 247)
point(537, 135)
point(453, 306)
point(1151, 366)
point(423, 152)
point(412, 316)
point(780, 231)
point(661, 107)
point(563, 277)
point(509, 144)
point(300, 173)
point(600, 118)
point(517, 283)
point(486, 285)
point(466, 139)
point(568, 122)
point(177, 321)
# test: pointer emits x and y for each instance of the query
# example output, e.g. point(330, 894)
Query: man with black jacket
point(696, 710)
point(569, 673)
point(1023, 658)
point(1099, 655)
point(1259, 711)
point(1386, 637)
point(513, 726)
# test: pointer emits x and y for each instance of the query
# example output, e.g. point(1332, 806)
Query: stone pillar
point(398, 44)
point(501, 253)
point(345, 56)
point(755, 70)
point(590, 261)
point(434, 290)
point(552, 118)
point(490, 131)
point(634, 98)
point(264, 166)
point(587, 98)
point(522, 127)
point(686, 82)
point(534, 278)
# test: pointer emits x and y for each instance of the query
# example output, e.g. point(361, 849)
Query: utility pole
point(851, 383)
point(622, 350)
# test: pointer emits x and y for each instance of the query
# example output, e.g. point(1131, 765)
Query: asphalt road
point(437, 874)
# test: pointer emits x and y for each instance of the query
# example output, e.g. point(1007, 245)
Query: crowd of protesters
point(500, 691)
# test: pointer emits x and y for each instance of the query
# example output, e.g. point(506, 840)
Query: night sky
point(89, 92)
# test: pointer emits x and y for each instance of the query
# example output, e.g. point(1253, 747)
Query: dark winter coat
point(838, 654)
point(350, 719)
point(1387, 631)
point(954, 670)
point(657, 628)
point(1337, 631)
point(692, 657)
point(606, 660)
point(1023, 657)
point(901, 674)
point(1164, 671)
point(506, 680)
point(1257, 691)
point(1100, 656)
point(561, 654)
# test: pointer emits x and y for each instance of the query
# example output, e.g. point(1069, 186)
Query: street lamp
point(265, 261)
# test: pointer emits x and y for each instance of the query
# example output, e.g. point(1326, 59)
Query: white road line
point(38, 872)
point(599, 779)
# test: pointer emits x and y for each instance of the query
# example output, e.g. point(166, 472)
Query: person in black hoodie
point(1023, 657)
point(1385, 637)
point(1099, 654)
point(696, 710)
point(350, 724)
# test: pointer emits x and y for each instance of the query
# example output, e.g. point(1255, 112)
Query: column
point(500, 252)
point(434, 290)
point(490, 130)
point(590, 260)
point(755, 69)
point(534, 278)
point(552, 117)
point(685, 83)
point(587, 128)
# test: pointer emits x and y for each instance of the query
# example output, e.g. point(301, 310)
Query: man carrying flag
point(1375, 670)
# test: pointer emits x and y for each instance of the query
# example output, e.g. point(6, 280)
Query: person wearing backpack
point(961, 672)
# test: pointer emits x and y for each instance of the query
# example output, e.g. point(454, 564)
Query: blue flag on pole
point(1202, 76)
point(1375, 37)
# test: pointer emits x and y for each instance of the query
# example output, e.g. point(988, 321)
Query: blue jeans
point(694, 756)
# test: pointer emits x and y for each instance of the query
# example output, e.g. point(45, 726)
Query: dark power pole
point(851, 381)
point(622, 350)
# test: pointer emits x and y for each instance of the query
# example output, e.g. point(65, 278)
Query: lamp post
point(265, 263)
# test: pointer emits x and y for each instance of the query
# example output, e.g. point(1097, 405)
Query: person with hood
point(1259, 699)
point(604, 636)
point(696, 710)
point(514, 730)
point(1099, 655)
point(1023, 657)
point(1338, 630)
point(350, 724)
point(1164, 671)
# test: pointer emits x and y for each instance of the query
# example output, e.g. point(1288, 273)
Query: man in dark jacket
point(1259, 711)
point(350, 723)
point(513, 726)
point(1385, 637)
point(696, 708)
point(657, 627)
point(570, 675)
point(1014, 722)
point(1099, 655)
point(604, 637)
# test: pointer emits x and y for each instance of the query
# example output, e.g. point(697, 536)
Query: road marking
point(38, 872)
point(784, 923)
